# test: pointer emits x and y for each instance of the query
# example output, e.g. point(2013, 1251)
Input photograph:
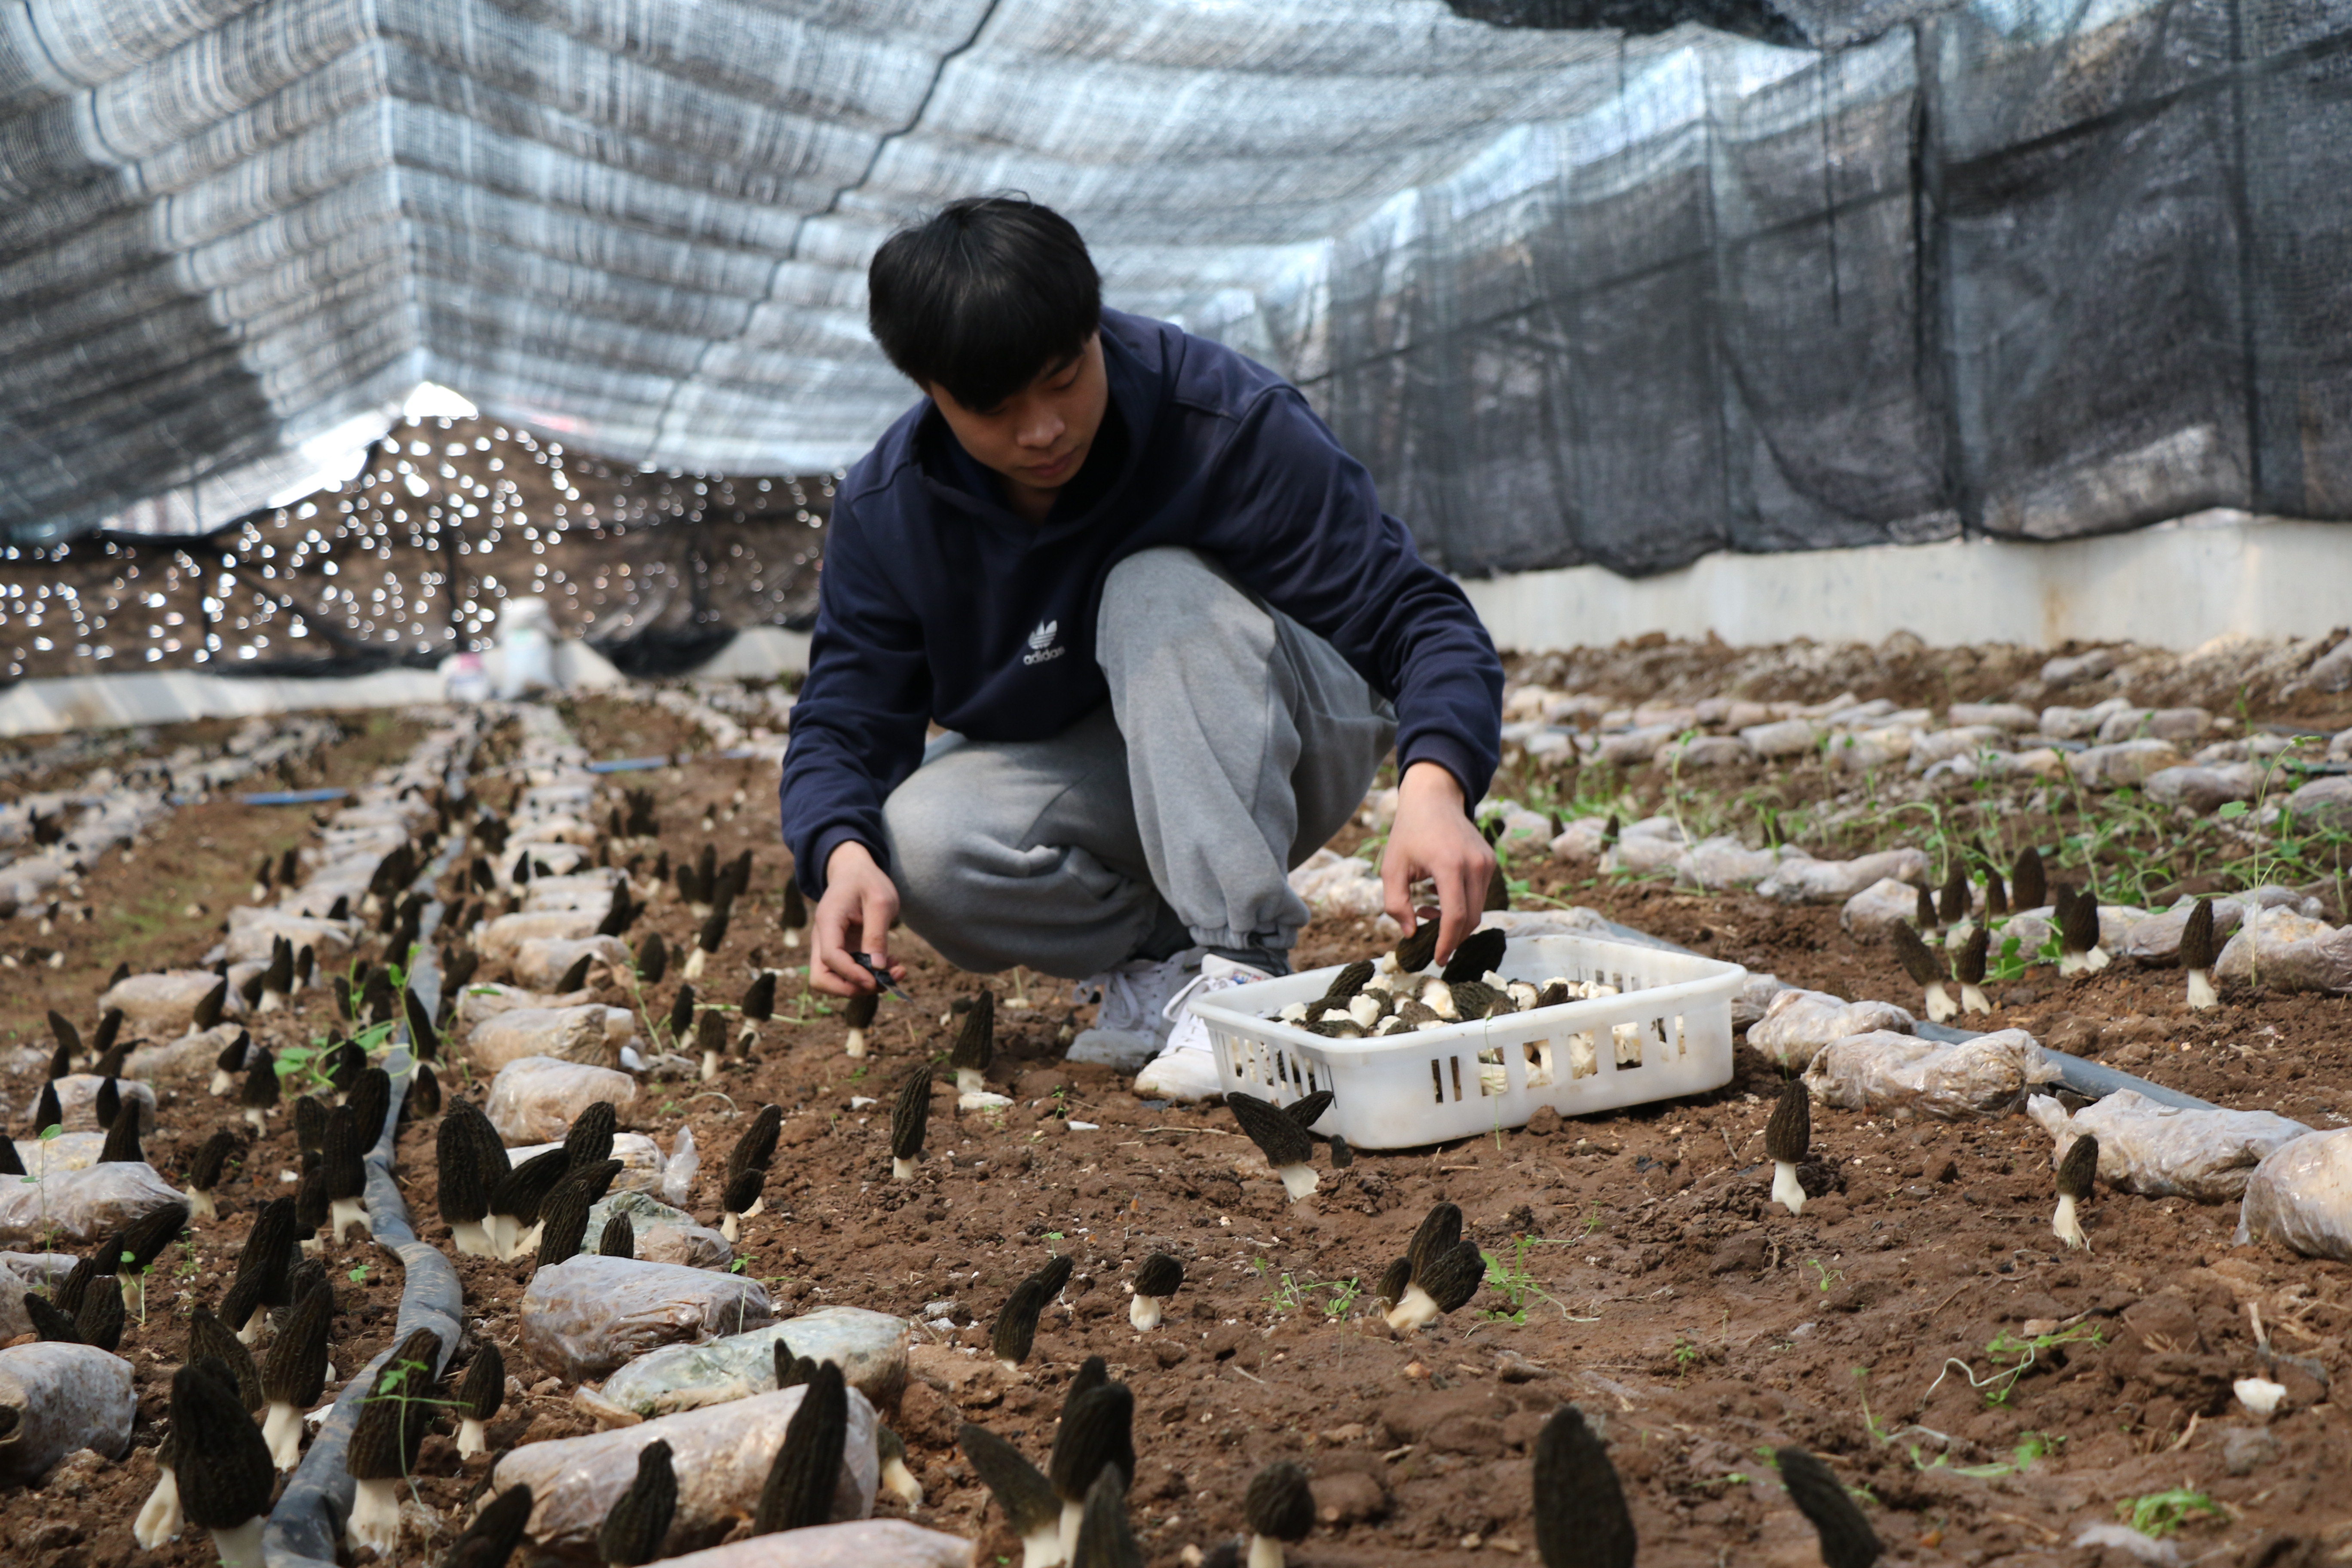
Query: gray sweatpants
point(1235, 742)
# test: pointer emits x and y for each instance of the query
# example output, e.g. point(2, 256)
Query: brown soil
point(165, 900)
point(1655, 1288)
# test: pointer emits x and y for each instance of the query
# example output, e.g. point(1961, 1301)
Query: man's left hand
point(1433, 837)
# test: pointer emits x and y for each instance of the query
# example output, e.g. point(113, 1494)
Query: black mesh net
point(1618, 281)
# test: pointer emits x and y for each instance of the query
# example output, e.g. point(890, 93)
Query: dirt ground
point(1639, 1272)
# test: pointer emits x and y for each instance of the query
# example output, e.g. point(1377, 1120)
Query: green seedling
point(2158, 1514)
point(2012, 1357)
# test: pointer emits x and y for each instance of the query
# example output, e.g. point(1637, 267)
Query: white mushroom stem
point(2067, 1227)
point(281, 1429)
point(1067, 1540)
point(1415, 1308)
point(159, 1516)
point(900, 1482)
point(902, 1170)
point(694, 963)
point(709, 1066)
point(239, 1546)
point(1144, 1311)
point(1042, 1547)
point(271, 1001)
point(252, 1118)
point(134, 1293)
point(375, 1516)
point(792, 937)
point(201, 1204)
point(1941, 1006)
point(854, 1046)
point(2097, 959)
point(1265, 1552)
point(248, 1332)
point(527, 1243)
point(470, 1440)
point(1787, 1191)
point(1297, 1180)
point(967, 1081)
point(731, 1227)
point(1972, 999)
point(472, 1239)
point(2202, 993)
point(223, 1083)
point(500, 1230)
point(344, 1213)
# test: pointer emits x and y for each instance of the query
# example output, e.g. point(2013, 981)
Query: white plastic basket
point(1667, 1033)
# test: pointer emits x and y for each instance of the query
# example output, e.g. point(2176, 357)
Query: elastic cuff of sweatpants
point(1272, 942)
point(831, 839)
point(1454, 758)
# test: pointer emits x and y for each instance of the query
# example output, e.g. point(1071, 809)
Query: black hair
point(983, 296)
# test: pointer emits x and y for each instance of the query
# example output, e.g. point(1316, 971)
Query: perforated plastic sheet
point(2015, 266)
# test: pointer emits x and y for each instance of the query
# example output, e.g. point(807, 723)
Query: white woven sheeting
point(226, 228)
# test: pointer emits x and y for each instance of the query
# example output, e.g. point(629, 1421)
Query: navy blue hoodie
point(932, 588)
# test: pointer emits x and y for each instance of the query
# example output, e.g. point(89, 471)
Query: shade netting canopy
point(1626, 290)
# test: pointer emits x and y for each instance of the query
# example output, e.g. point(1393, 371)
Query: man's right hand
point(854, 915)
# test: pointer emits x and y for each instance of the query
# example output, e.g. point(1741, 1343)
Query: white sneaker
point(1131, 1025)
point(1187, 1068)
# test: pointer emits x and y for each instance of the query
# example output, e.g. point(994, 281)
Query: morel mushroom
point(1156, 1280)
point(2029, 888)
point(1441, 1271)
point(2197, 956)
point(858, 1014)
point(295, 1374)
point(1847, 1540)
point(2075, 1172)
point(346, 1176)
point(638, 1522)
point(975, 1046)
point(800, 1484)
point(496, 1531)
point(1278, 1508)
point(1021, 1491)
point(1580, 1519)
point(897, 1479)
point(910, 1115)
point(1284, 1143)
point(1788, 1138)
point(227, 1065)
point(205, 1173)
point(260, 1095)
point(1015, 1332)
point(384, 1441)
point(1969, 969)
point(480, 1396)
point(223, 1464)
point(1097, 1434)
point(1925, 970)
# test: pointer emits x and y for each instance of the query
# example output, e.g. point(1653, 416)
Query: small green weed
point(2158, 1514)
point(2012, 1357)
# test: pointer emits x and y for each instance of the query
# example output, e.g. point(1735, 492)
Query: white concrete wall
point(2176, 585)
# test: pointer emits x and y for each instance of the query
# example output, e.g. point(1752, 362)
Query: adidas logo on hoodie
point(1041, 647)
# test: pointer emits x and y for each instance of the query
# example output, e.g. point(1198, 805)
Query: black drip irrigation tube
point(308, 1522)
point(2089, 1079)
